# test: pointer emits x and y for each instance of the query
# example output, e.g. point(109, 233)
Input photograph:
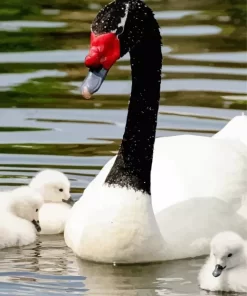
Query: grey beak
point(218, 270)
point(36, 224)
point(69, 201)
point(93, 81)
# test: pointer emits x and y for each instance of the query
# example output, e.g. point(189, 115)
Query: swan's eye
point(37, 210)
point(229, 255)
point(61, 190)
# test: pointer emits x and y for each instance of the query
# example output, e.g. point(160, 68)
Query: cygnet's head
point(53, 185)
point(227, 250)
point(25, 203)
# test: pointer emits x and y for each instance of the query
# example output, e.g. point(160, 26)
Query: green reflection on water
point(21, 129)
point(64, 149)
point(53, 92)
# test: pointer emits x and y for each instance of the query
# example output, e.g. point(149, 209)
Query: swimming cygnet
point(54, 186)
point(19, 221)
point(226, 268)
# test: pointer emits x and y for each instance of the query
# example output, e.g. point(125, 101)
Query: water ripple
point(174, 14)
point(198, 69)
point(121, 87)
point(54, 56)
point(18, 25)
point(12, 79)
point(226, 57)
point(190, 31)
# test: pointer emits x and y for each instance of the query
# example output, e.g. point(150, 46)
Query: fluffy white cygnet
point(19, 221)
point(54, 186)
point(226, 268)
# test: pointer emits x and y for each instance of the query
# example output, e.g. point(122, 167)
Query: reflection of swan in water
point(144, 279)
point(48, 255)
point(44, 267)
point(54, 255)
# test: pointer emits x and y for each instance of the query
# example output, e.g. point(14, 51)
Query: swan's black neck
point(132, 167)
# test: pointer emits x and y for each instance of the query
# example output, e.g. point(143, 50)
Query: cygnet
point(226, 268)
point(19, 216)
point(54, 186)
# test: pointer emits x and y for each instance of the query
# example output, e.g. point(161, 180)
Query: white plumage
point(54, 187)
point(18, 211)
point(226, 268)
point(186, 214)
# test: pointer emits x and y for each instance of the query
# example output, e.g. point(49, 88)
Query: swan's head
point(53, 185)
point(227, 251)
point(117, 28)
point(25, 203)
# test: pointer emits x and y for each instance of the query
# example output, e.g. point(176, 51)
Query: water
point(45, 123)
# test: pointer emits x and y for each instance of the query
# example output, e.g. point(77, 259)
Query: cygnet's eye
point(229, 255)
point(37, 210)
point(61, 189)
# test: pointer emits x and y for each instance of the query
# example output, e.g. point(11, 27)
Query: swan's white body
point(17, 210)
point(193, 166)
point(196, 183)
point(242, 211)
point(114, 225)
point(119, 225)
point(54, 211)
point(233, 277)
point(186, 171)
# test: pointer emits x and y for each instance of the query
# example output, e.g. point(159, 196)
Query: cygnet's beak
point(218, 270)
point(93, 82)
point(36, 224)
point(69, 201)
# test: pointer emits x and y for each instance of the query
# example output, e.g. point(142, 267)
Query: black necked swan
point(116, 220)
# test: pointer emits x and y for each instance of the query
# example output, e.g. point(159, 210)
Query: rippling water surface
point(44, 122)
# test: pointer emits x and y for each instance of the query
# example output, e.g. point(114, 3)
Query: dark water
point(44, 122)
